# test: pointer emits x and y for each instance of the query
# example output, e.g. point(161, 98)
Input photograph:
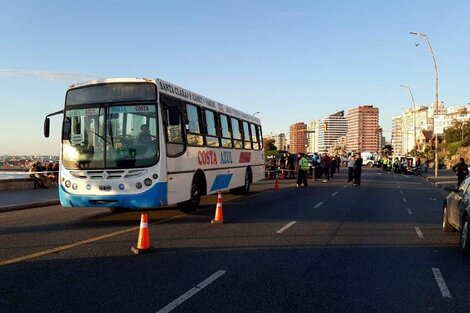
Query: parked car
point(456, 214)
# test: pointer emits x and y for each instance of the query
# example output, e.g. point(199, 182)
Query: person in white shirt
point(351, 160)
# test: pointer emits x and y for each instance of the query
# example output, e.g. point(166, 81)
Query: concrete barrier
point(17, 184)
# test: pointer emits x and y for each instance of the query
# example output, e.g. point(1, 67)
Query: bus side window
point(225, 131)
point(173, 125)
point(246, 135)
point(237, 135)
point(193, 126)
point(211, 129)
point(254, 136)
point(259, 133)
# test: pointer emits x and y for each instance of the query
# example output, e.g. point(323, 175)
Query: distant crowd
point(317, 166)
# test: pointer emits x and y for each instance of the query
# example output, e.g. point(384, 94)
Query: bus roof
point(176, 91)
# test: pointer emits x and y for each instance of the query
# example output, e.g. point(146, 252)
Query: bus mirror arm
point(47, 123)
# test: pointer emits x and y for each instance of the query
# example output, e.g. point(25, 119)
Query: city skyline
point(281, 60)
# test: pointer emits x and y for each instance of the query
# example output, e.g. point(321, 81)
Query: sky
point(292, 61)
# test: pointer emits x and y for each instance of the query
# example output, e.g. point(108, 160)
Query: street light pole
point(436, 104)
point(255, 113)
point(414, 115)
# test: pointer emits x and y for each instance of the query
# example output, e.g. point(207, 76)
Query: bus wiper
point(111, 133)
point(101, 137)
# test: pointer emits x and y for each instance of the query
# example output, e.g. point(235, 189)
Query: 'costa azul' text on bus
point(210, 157)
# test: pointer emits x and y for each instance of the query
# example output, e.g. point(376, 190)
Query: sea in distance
point(13, 175)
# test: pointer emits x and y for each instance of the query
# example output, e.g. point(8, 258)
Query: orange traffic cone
point(143, 243)
point(276, 184)
point(219, 212)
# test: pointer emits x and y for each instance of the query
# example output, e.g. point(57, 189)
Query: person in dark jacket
point(357, 170)
point(461, 169)
point(332, 167)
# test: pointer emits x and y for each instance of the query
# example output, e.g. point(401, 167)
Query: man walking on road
point(357, 170)
point(461, 169)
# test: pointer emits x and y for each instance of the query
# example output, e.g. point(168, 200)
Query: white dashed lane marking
point(318, 205)
point(280, 231)
point(419, 233)
point(441, 283)
point(172, 305)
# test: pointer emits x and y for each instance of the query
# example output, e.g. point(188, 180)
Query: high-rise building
point(397, 135)
point(363, 129)
point(298, 138)
point(312, 136)
point(330, 129)
point(280, 142)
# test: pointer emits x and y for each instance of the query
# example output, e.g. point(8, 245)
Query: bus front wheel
point(193, 203)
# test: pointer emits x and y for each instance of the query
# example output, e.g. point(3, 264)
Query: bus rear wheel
point(193, 203)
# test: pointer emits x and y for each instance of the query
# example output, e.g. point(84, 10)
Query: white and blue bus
point(146, 143)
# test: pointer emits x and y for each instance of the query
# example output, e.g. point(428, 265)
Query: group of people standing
point(355, 169)
point(326, 167)
point(46, 176)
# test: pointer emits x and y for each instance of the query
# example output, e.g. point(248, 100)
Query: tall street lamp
point(255, 113)
point(414, 115)
point(436, 104)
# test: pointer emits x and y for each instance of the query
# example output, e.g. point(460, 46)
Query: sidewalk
point(445, 178)
point(28, 198)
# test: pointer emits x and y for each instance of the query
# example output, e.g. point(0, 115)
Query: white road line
point(172, 305)
point(345, 186)
point(334, 194)
point(419, 233)
point(441, 283)
point(317, 205)
point(410, 212)
point(280, 231)
point(432, 199)
point(401, 192)
point(404, 199)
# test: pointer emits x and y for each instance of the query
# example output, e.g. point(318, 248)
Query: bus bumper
point(153, 198)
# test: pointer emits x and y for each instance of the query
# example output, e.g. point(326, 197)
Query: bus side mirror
point(47, 127)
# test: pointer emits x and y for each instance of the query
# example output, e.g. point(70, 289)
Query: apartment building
point(330, 129)
point(298, 138)
point(363, 129)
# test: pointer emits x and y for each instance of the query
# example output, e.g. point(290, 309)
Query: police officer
point(302, 171)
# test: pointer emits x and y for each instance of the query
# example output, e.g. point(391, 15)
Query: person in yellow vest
point(302, 170)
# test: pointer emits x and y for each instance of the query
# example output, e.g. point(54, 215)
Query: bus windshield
point(106, 136)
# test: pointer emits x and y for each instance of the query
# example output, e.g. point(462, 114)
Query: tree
point(268, 144)
point(458, 132)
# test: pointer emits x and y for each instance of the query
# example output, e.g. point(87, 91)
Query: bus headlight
point(148, 182)
point(155, 176)
point(68, 183)
point(138, 185)
point(74, 186)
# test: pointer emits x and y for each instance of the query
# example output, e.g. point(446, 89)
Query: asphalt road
point(329, 247)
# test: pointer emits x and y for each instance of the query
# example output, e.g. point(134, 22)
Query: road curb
point(24, 206)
